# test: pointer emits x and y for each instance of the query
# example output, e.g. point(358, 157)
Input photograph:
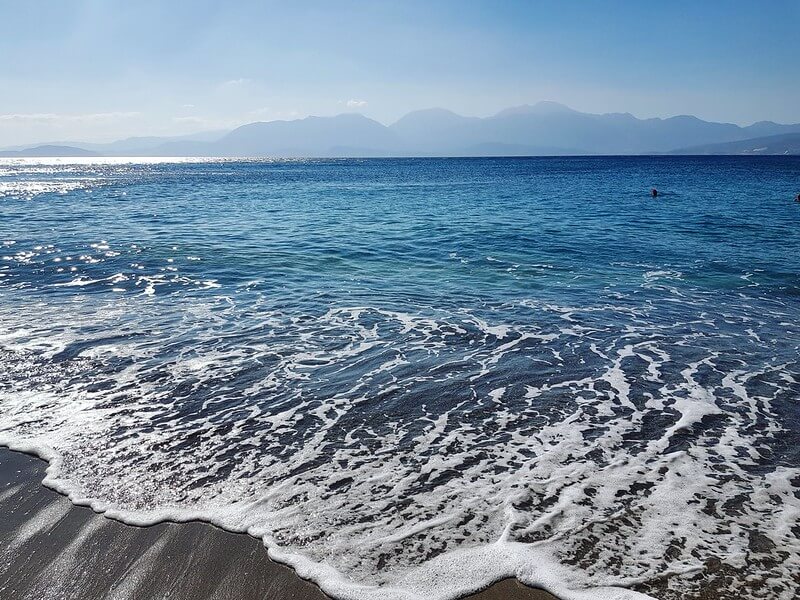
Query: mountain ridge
point(47, 151)
point(544, 128)
point(781, 144)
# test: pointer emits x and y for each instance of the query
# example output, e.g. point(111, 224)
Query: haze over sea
point(413, 377)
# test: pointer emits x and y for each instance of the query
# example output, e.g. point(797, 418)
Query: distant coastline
point(543, 129)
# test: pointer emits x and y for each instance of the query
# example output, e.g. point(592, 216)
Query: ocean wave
point(385, 454)
point(411, 379)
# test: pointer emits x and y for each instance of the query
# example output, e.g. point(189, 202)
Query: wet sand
point(50, 549)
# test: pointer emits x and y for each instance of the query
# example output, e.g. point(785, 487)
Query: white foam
point(434, 500)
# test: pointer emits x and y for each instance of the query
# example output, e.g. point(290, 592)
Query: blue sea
point(414, 377)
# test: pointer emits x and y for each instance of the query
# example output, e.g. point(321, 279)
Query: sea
point(414, 377)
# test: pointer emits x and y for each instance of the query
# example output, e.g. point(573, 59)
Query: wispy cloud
point(67, 118)
point(353, 103)
point(236, 82)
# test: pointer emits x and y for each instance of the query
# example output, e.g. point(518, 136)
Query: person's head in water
point(798, 198)
point(654, 193)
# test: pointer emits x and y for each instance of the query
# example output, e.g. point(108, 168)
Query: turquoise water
point(412, 377)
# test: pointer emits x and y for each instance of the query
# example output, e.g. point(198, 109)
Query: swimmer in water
point(654, 193)
point(798, 198)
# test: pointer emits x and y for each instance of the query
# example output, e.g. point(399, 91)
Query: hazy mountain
point(499, 149)
point(787, 143)
point(552, 128)
point(768, 128)
point(135, 145)
point(47, 150)
point(555, 126)
point(131, 146)
point(436, 130)
point(347, 134)
point(546, 128)
point(546, 107)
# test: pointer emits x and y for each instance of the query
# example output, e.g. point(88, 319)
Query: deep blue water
point(452, 351)
point(395, 230)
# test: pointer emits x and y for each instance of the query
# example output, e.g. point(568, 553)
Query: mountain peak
point(543, 128)
point(545, 107)
point(550, 106)
point(351, 116)
point(428, 115)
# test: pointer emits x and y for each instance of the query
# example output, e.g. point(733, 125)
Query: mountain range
point(546, 128)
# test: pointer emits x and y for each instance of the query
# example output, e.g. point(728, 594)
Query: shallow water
point(413, 377)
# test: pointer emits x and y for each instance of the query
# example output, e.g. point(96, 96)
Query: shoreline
point(56, 548)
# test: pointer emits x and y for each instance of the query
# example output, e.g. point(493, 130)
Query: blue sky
point(104, 69)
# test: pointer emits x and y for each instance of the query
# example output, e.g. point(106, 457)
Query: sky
point(98, 70)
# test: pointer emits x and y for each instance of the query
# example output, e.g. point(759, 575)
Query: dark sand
point(52, 550)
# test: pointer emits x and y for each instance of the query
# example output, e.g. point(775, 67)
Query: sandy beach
point(52, 549)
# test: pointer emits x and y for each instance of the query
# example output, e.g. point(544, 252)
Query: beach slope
point(51, 549)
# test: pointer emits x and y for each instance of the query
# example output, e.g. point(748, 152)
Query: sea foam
point(387, 455)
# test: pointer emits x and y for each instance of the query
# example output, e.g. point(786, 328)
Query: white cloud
point(356, 103)
point(236, 82)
